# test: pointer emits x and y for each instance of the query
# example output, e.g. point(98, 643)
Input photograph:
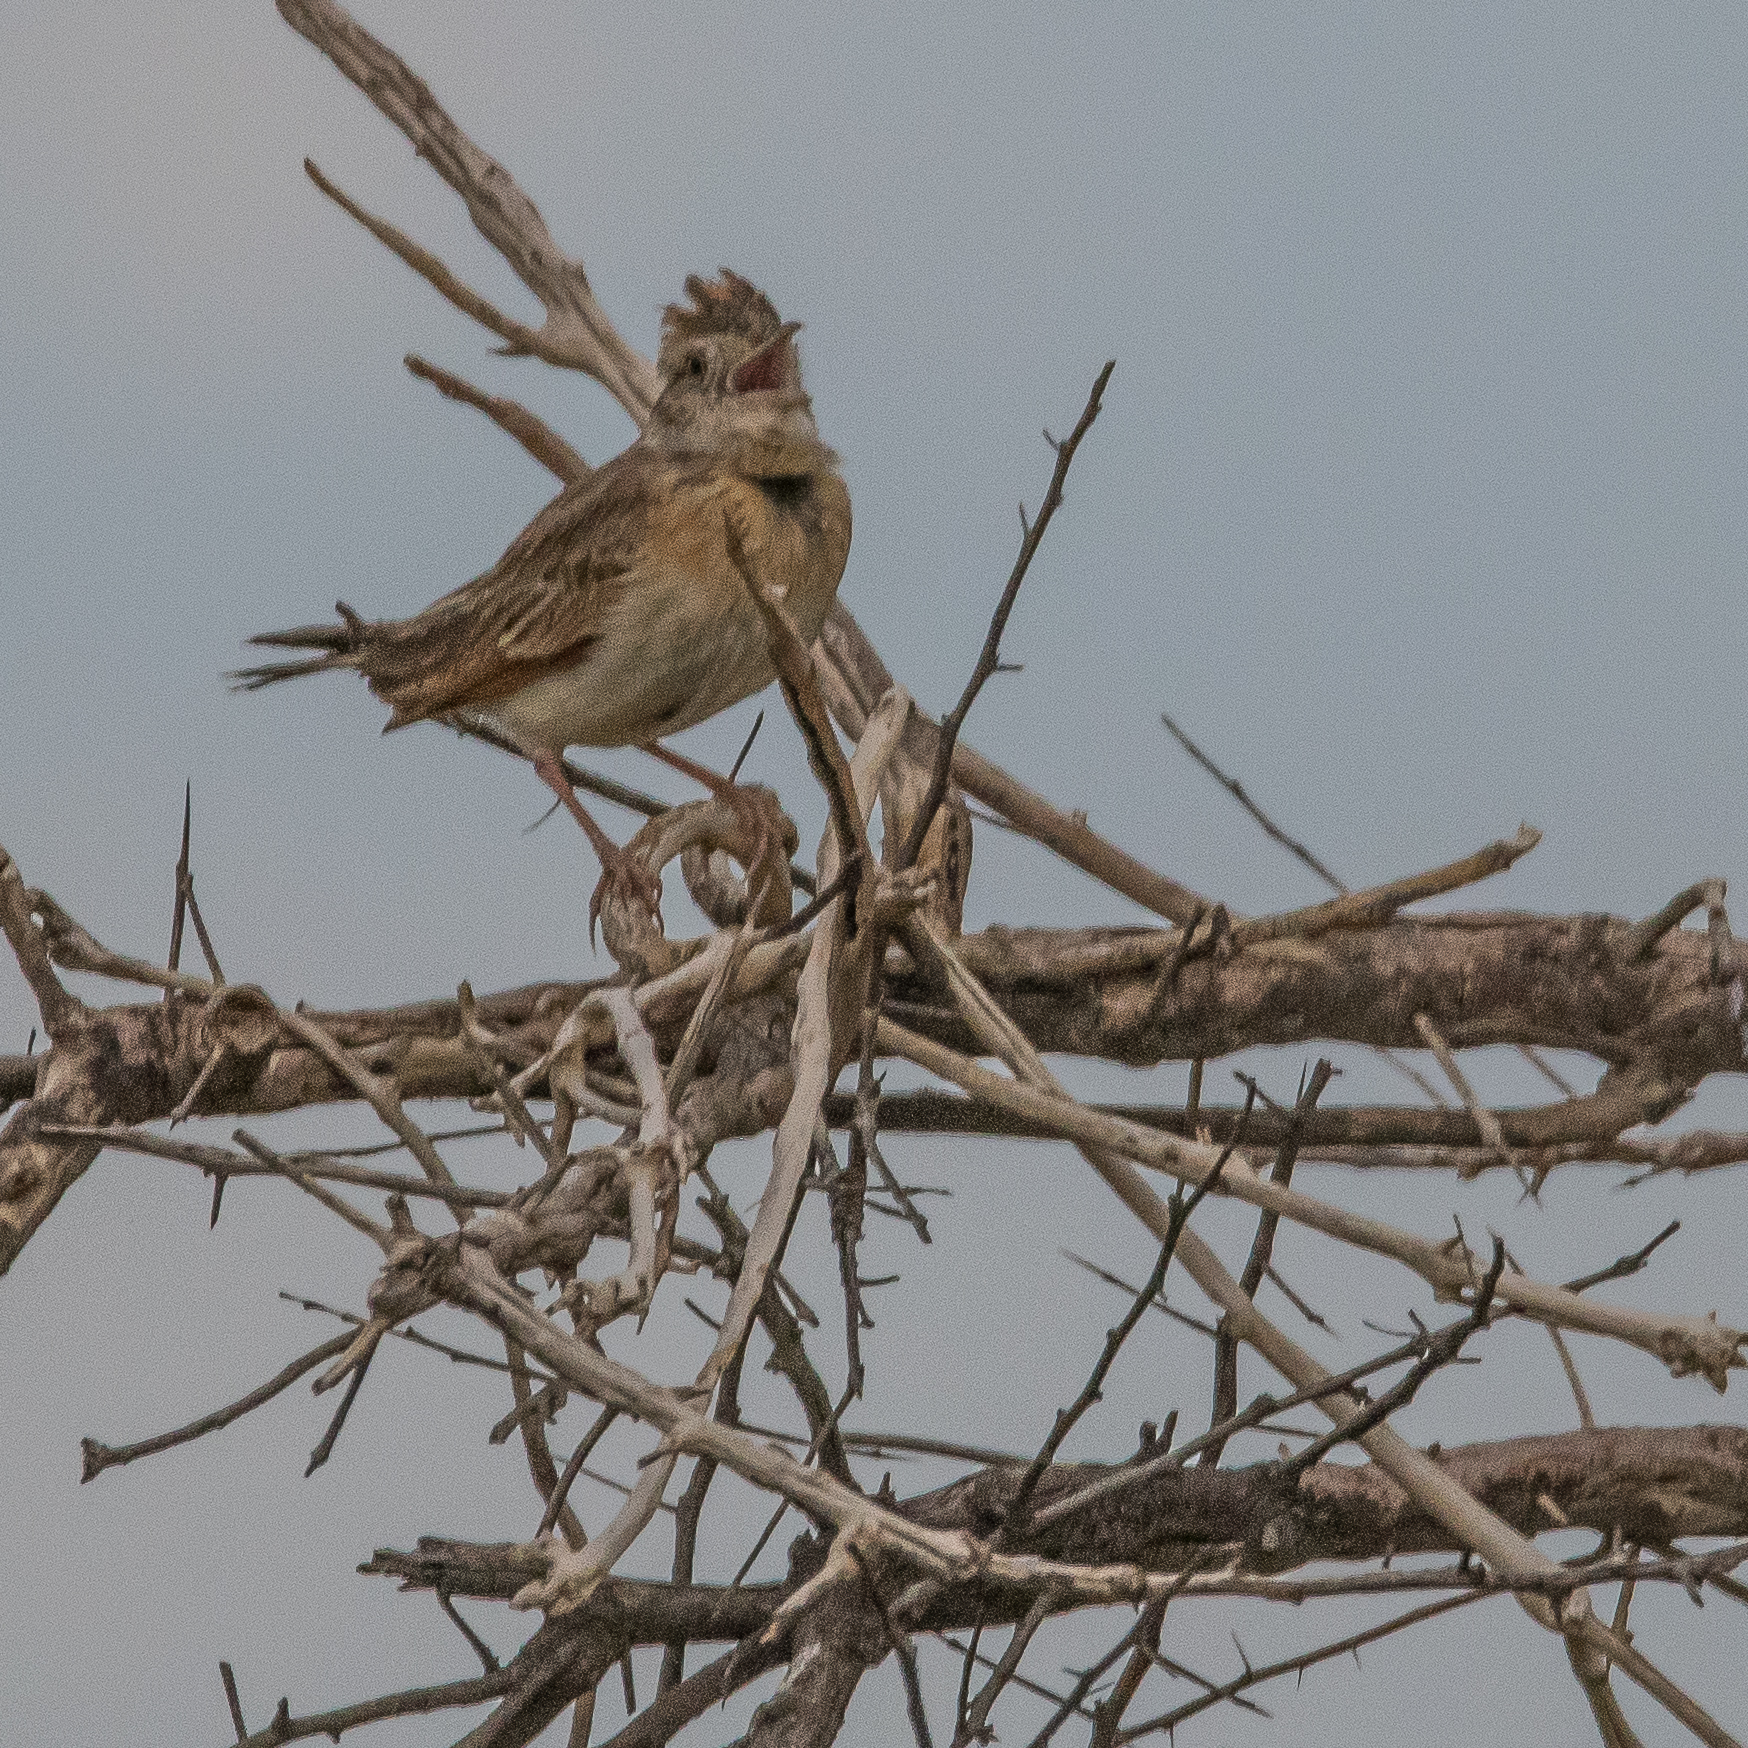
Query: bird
point(619, 614)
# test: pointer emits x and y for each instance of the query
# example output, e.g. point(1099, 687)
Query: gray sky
point(1417, 499)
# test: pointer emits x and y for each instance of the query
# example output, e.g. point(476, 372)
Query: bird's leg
point(621, 871)
point(757, 809)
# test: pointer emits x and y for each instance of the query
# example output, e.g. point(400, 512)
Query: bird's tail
point(341, 646)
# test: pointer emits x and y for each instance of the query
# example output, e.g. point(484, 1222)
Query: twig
point(1160, 1304)
point(989, 657)
point(221, 1162)
point(1168, 1721)
point(414, 1702)
point(1308, 1312)
point(1256, 1265)
point(325, 1447)
point(533, 1409)
point(377, 1233)
point(849, 1192)
point(555, 1503)
point(455, 1355)
point(1642, 939)
point(97, 1457)
point(488, 1658)
point(1492, 1136)
point(687, 1516)
point(1378, 904)
point(1623, 1267)
point(179, 909)
point(374, 1089)
point(533, 433)
point(1084, 1684)
point(974, 1718)
point(1017, 1680)
point(1238, 793)
point(1019, 1506)
point(1437, 1352)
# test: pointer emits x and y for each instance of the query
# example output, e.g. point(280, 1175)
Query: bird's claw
point(629, 880)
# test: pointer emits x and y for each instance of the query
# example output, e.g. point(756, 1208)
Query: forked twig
point(989, 657)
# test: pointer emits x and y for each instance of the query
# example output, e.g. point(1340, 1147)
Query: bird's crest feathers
point(729, 305)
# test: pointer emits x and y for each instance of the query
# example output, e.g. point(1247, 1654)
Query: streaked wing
point(534, 612)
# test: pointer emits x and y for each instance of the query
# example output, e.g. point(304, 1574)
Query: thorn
point(30, 1043)
point(233, 1701)
point(537, 824)
point(741, 757)
point(179, 913)
point(220, 1179)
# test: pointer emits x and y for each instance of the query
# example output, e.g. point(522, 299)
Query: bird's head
point(728, 365)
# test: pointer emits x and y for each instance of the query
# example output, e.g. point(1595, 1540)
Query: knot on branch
point(1702, 1347)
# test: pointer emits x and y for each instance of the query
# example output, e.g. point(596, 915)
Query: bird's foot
point(767, 839)
point(626, 879)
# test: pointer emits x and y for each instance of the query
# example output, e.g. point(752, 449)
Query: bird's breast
point(681, 639)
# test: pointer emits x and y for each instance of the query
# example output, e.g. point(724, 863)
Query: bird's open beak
point(773, 366)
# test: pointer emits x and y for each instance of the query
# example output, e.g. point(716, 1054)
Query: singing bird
point(618, 615)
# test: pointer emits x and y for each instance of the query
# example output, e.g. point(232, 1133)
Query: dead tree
point(748, 1029)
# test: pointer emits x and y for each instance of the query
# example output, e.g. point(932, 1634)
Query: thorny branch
point(744, 1031)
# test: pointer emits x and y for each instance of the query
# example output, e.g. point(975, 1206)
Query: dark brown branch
point(414, 1702)
point(859, 680)
point(1256, 1265)
point(1562, 981)
point(669, 1713)
point(1239, 794)
point(1182, 1207)
point(532, 432)
point(1378, 904)
point(1352, 1644)
point(989, 657)
point(98, 1457)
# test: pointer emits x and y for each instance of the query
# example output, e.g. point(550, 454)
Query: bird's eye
point(694, 365)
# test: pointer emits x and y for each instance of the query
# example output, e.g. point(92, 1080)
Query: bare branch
point(576, 333)
point(989, 657)
point(98, 1457)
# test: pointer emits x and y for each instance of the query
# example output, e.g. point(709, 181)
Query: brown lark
point(617, 615)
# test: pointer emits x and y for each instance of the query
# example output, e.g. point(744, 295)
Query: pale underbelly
point(670, 668)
